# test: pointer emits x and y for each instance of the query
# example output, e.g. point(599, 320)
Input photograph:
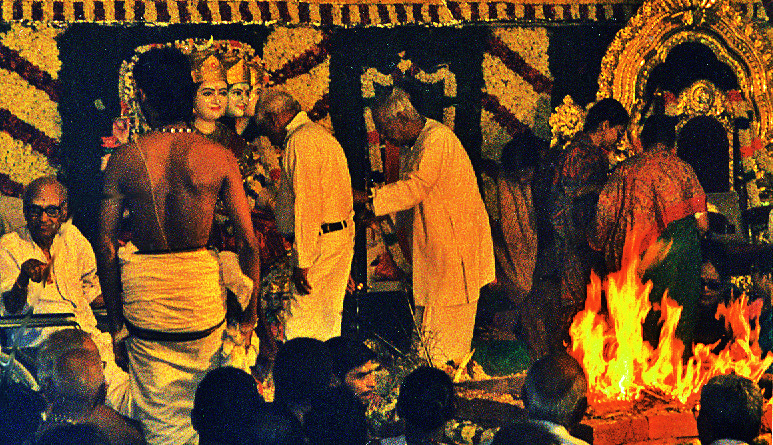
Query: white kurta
point(74, 273)
point(315, 189)
point(75, 285)
point(453, 255)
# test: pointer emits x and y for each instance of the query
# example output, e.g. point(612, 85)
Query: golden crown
point(205, 66)
point(238, 71)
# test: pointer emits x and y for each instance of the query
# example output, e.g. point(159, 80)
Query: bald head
point(42, 185)
point(396, 119)
point(79, 381)
point(54, 347)
point(396, 103)
point(276, 102)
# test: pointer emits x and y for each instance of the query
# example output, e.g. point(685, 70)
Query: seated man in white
point(49, 265)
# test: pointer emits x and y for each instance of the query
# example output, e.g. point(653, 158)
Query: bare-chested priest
point(167, 325)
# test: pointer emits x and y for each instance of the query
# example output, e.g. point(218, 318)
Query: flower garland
point(517, 86)
point(287, 44)
point(567, 120)
point(299, 60)
point(756, 160)
point(36, 43)
point(21, 162)
point(30, 124)
point(30, 104)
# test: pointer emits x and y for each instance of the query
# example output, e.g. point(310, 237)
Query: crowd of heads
point(70, 404)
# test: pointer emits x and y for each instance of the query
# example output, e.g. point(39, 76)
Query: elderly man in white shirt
point(453, 254)
point(314, 206)
point(49, 265)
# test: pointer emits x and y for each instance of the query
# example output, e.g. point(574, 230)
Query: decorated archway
point(736, 41)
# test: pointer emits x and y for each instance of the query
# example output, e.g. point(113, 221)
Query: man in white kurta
point(452, 251)
point(314, 206)
point(69, 285)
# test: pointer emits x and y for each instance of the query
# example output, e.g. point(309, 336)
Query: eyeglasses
point(36, 211)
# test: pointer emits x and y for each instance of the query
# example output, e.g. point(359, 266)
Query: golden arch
point(660, 25)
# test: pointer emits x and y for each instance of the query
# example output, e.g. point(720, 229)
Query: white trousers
point(318, 314)
point(447, 331)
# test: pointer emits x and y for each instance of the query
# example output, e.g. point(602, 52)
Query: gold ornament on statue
point(237, 71)
point(205, 66)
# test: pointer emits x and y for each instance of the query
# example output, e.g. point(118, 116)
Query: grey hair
point(53, 347)
point(275, 102)
point(397, 102)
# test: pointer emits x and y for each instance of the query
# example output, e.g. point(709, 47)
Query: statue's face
point(238, 100)
point(211, 100)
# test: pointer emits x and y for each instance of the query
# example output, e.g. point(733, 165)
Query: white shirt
point(315, 187)
point(453, 254)
point(74, 273)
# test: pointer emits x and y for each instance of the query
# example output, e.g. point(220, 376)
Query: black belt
point(153, 335)
point(333, 227)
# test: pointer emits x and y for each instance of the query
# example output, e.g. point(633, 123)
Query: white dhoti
point(447, 330)
point(318, 314)
point(168, 299)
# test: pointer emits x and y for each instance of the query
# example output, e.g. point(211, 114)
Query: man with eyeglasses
point(50, 266)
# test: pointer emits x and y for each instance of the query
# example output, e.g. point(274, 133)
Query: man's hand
point(301, 282)
point(119, 348)
point(34, 269)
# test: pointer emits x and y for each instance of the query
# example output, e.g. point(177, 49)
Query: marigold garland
point(284, 44)
point(516, 63)
point(13, 61)
point(516, 83)
point(29, 104)
point(502, 115)
point(27, 133)
point(303, 64)
point(20, 162)
point(37, 44)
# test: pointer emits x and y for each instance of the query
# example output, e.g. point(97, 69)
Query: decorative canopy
point(330, 13)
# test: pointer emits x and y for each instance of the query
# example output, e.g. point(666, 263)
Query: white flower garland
point(37, 44)
point(285, 44)
point(20, 162)
point(29, 104)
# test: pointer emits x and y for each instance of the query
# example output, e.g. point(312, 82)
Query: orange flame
point(620, 365)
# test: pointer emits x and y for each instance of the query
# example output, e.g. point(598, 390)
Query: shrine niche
point(729, 59)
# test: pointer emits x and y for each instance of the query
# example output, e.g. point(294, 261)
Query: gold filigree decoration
point(659, 26)
point(702, 98)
